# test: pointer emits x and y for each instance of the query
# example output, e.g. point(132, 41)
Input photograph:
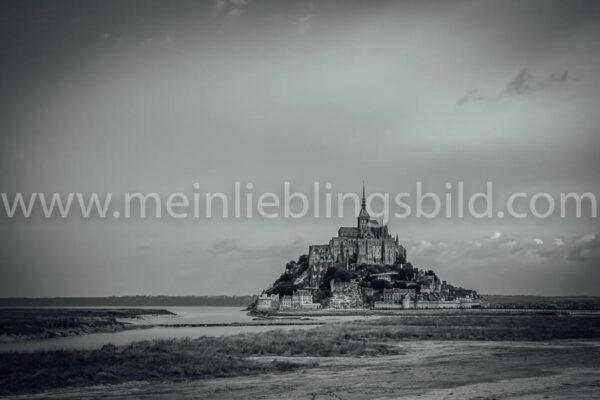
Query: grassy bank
point(209, 357)
point(478, 327)
point(174, 359)
point(43, 323)
point(542, 302)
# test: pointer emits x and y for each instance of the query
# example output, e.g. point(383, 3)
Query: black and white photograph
point(299, 199)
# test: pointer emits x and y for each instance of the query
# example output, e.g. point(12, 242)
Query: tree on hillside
point(320, 295)
point(404, 275)
point(361, 267)
point(302, 263)
point(303, 260)
point(379, 284)
point(339, 274)
point(283, 288)
point(290, 265)
point(415, 286)
point(285, 277)
point(343, 275)
point(399, 259)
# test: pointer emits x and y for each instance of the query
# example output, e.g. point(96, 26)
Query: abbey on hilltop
point(364, 267)
point(368, 243)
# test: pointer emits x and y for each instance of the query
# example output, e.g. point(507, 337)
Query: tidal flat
point(450, 356)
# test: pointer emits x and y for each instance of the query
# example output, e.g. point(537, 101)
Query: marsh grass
point(477, 327)
point(210, 357)
point(174, 359)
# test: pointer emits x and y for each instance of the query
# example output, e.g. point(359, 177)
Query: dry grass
point(173, 359)
point(229, 356)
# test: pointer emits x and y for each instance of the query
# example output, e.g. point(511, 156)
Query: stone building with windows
point(397, 295)
point(299, 300)
point(267, 302)
point(367, 243)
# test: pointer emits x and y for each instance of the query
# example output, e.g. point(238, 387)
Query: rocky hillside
point(371, 279)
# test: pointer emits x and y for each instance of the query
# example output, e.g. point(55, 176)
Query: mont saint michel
point(364, 266)
point(299, 200)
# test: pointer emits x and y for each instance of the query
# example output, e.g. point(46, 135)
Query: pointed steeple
point(363, 216)
point(364, 200)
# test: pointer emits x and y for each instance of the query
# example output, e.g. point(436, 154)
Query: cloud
point(587, 238)
point(585, 248)
point(517, 265)
point(524, 82)
point(503, 248)
point(304, 23)
point(225, 246)
point(471, 96)
point(231, 8)
point(234, 13)
point(220, 5)
point(251, 267)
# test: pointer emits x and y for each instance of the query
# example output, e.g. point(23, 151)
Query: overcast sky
point(113, 96)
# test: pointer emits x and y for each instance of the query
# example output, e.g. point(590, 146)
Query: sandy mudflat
point(433, 370)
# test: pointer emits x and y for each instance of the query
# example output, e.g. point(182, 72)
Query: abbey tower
point(367, 243)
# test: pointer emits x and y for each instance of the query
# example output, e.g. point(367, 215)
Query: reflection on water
point(185, 315)
point(201, 315)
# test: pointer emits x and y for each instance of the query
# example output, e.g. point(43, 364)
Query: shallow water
point(185, 315)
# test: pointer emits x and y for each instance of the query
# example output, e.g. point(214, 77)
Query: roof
point(363, 213)
point(400, 291)
point(348, 231)
point(363, 209)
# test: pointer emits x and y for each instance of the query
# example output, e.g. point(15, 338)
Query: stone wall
point(345, 295)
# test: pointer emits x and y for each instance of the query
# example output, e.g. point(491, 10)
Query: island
point(363, 267)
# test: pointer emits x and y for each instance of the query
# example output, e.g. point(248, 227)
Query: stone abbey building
point(367, 243)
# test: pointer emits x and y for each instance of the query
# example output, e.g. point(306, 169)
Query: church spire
point(364, 201)
point(363, 215)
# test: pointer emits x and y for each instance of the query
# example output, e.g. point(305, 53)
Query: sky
point(132, 96)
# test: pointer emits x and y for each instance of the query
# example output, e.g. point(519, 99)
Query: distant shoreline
point(495, 301)
point(129, 301)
